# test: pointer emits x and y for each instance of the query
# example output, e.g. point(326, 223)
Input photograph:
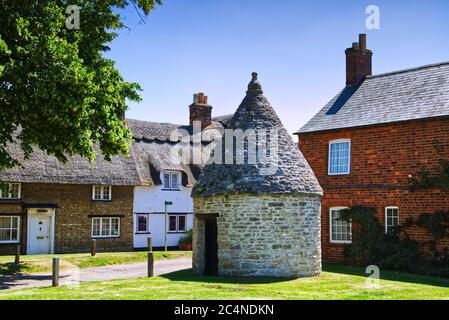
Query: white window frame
point(329, 157)
point(101, 227)
point(386, 217)
point(170, 180)
point(330, 227)
point(148, 223)
point(177, 223)
point(18, 230)
point(102, 192)
point(19, 195)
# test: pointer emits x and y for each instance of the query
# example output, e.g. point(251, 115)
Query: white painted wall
point(151, 200)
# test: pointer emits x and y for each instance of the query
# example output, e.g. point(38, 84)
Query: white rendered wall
point(151, 200)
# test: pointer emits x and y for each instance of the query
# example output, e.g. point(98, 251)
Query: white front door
point(39, 236)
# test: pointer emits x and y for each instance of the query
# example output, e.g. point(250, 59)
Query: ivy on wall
point(424, 179)
point(396, 250)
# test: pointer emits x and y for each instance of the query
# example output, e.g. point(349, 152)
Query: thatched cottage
point(248, 222)
point(49, 207)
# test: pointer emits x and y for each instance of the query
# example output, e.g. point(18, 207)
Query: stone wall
point(73, 223)
point(261, 234)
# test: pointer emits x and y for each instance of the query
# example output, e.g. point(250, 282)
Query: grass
point(336, 282)
point(42, 263)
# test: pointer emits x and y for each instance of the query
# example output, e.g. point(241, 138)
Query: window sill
point(176, 232)
point(9, 242)
point(171, 189)
point(100, 200)
point(105, 237)
point(339, 174)
point(340, 242)
point(142, 232)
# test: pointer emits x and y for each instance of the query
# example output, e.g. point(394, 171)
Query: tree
point(57, 91)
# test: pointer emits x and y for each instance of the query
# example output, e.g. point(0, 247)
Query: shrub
point(187, 238)
point(396, 250)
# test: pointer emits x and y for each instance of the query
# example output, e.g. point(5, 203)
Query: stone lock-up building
point(254, 222)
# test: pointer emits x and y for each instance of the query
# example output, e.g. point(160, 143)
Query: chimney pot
point(362, 41)
point(200, 110)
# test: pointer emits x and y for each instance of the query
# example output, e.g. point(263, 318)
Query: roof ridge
point(154, 122)
point(427, 66)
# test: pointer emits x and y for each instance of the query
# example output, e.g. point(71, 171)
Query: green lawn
point(336, 282)
point(42, 263)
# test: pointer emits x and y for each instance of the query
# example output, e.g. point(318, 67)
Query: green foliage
point(372, 246)
point(396, 251)
point(57, 91)
point(436, 223)
point(424, 179)
point(187, 238)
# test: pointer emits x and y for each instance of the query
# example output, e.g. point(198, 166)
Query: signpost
point(167, 203)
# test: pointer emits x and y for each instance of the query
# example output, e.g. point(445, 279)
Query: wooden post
point(94, 248)
point(17, 260)
point(150, 264)
point(55, 273)
point(150, 244)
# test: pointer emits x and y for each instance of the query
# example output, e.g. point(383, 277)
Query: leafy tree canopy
point(57, 91)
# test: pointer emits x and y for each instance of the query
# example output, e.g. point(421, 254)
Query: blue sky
point(297, 47)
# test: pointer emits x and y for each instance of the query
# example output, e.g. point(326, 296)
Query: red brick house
point(366, 143)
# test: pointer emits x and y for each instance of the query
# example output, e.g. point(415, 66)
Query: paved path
point(122, 271)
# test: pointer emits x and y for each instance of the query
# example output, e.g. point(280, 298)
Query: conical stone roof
point(289, 174)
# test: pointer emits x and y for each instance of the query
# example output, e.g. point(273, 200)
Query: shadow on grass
point(11, 268)
point(188, 275)
point(387, 275)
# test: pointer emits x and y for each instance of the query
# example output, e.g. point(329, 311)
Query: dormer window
point(10, 190)
point(102, 193)
point(171, 181)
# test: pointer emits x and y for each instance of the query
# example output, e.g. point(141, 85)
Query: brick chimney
point(358, 62)
point(200, 110)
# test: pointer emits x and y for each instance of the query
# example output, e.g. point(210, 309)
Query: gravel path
point(69, 277)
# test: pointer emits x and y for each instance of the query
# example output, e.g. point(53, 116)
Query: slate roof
point(403, 95)
point(293, 174)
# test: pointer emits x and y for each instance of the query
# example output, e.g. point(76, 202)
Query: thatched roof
point(42, 168)
point(293, 174)
point(150, 155)
point(153, 149)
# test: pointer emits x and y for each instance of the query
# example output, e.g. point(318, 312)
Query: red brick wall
point(73, 223)
point(382, 158)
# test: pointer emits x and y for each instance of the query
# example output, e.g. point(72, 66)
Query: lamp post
point(167, 203)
